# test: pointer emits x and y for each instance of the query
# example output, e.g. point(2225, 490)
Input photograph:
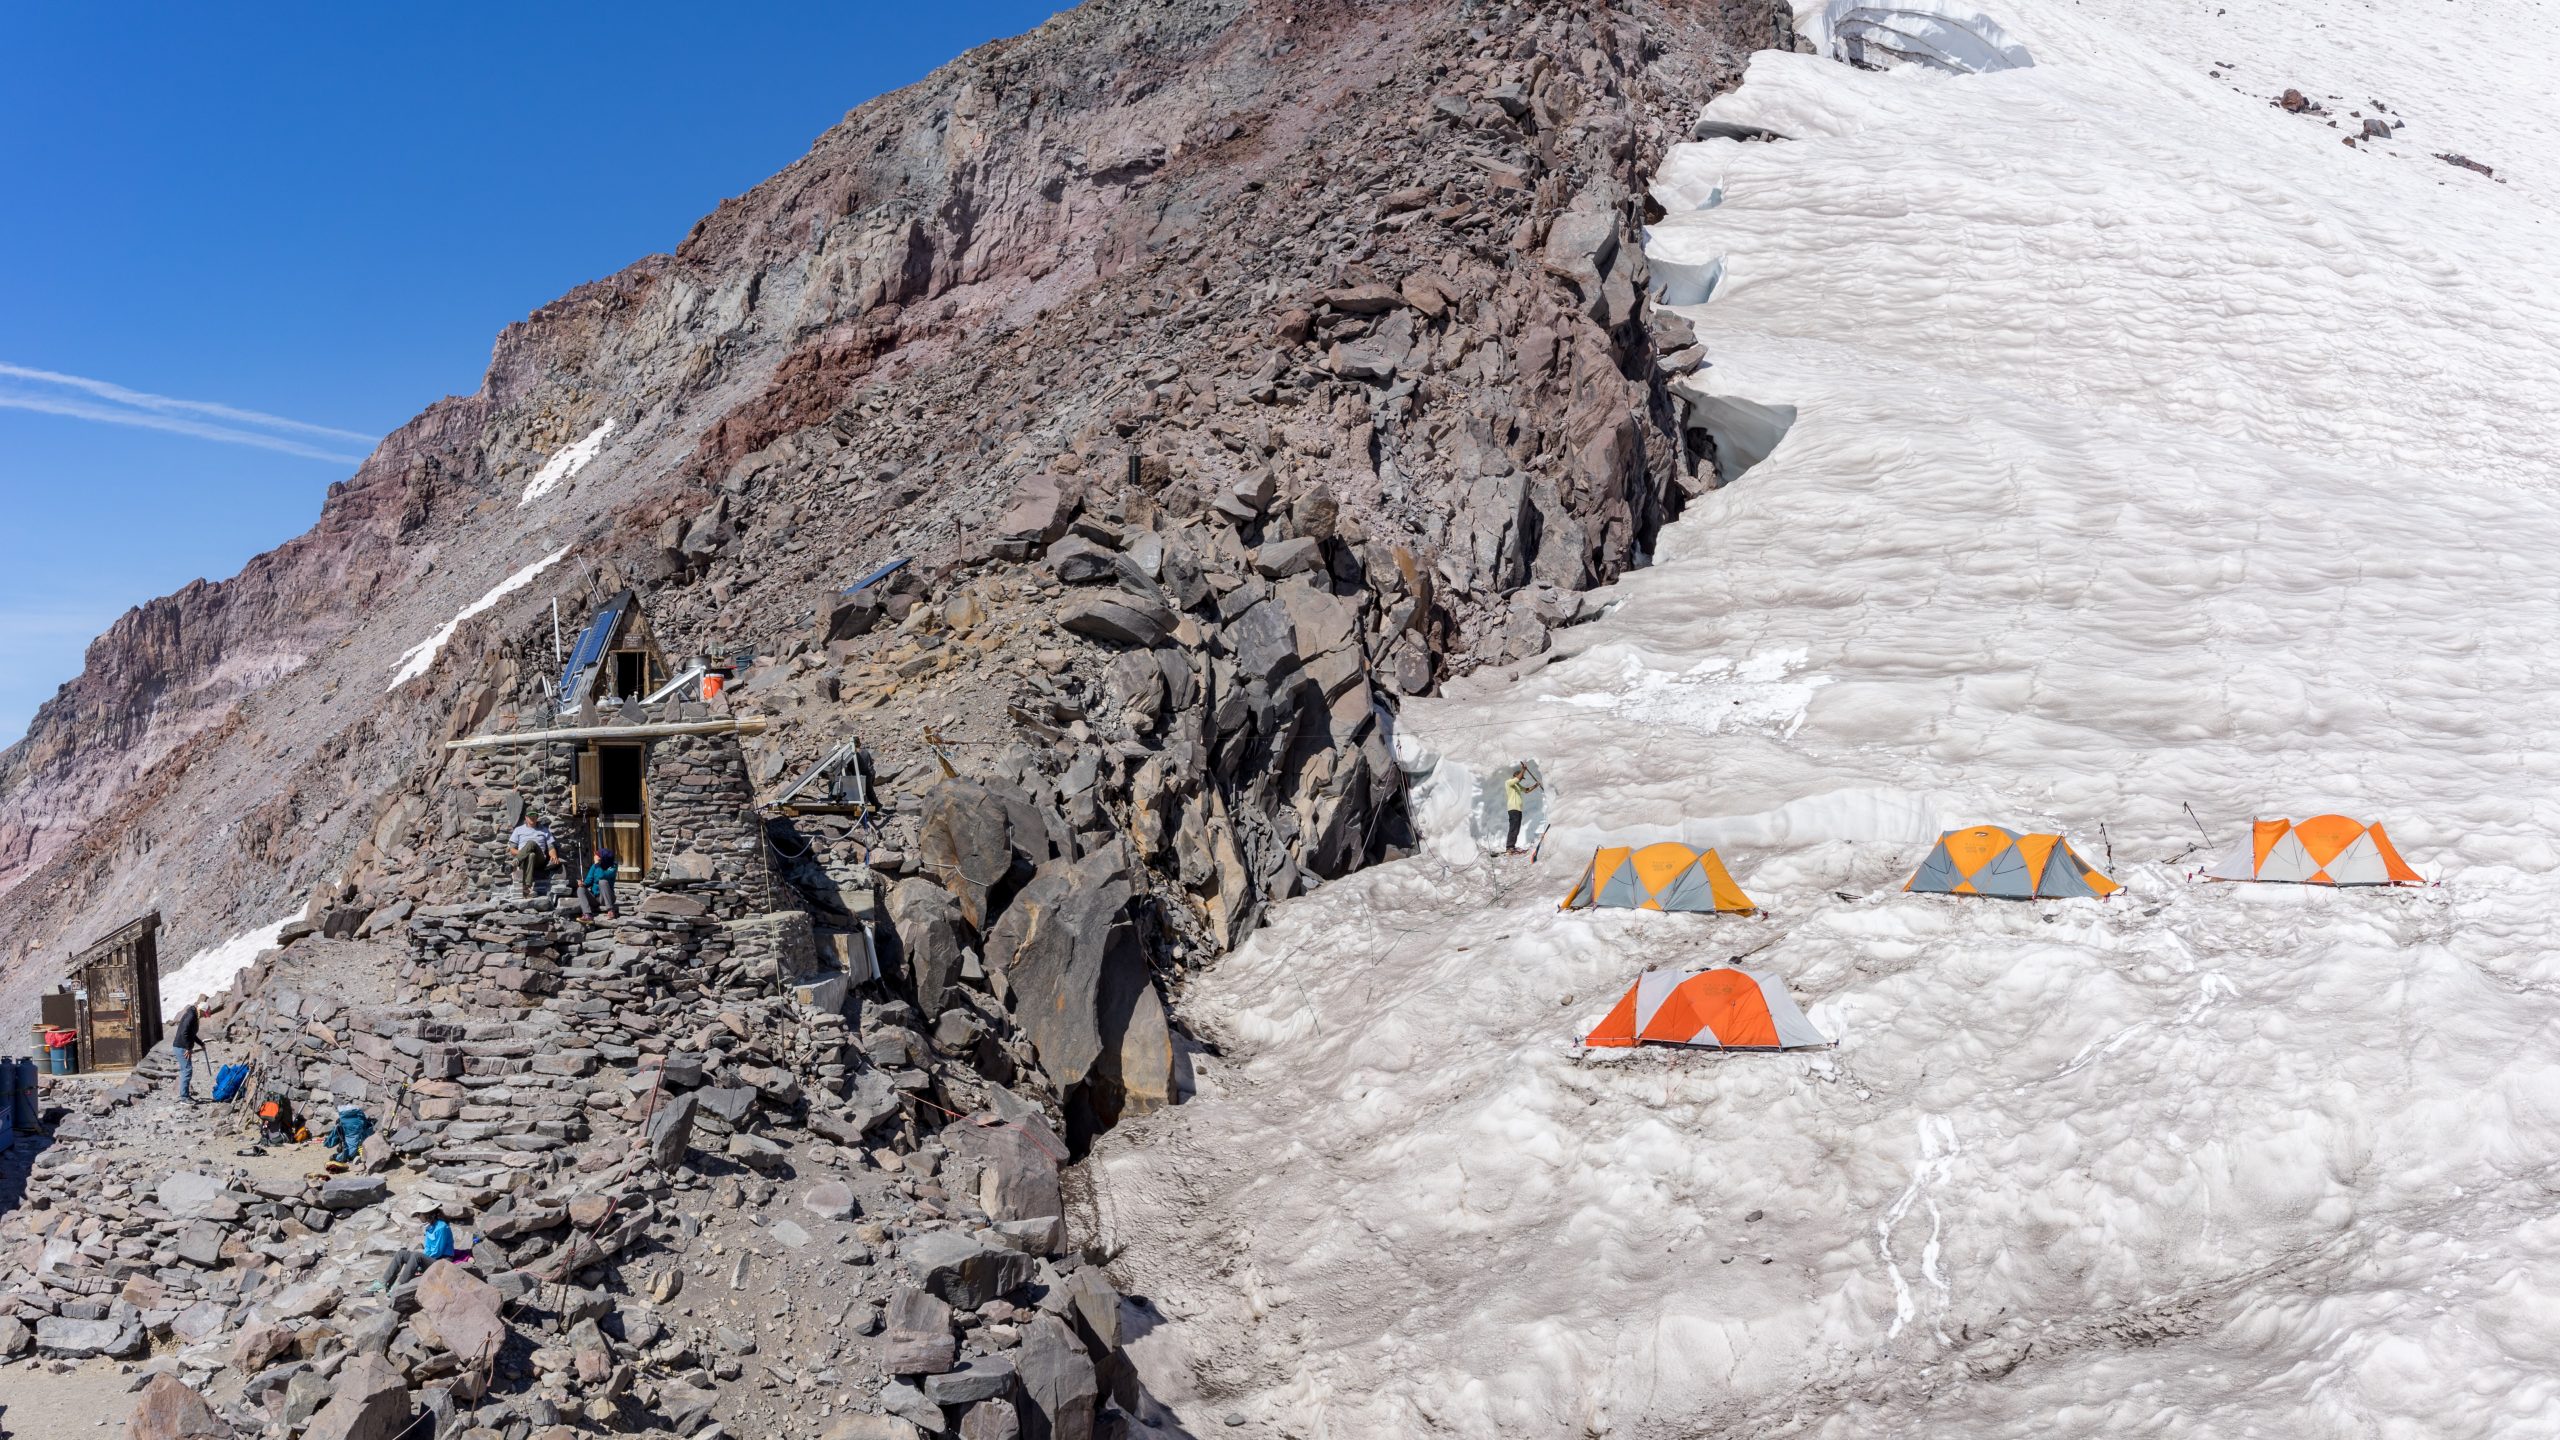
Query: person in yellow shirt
point(1515, 799)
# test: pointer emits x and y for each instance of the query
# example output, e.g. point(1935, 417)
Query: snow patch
point(414, 662)
point(560, 469)
point(209, 970)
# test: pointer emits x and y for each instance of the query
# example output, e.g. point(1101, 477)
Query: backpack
point(228, 1080)
point(349, 1133)
point(439, 1242)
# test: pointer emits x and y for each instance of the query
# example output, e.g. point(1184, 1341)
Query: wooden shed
point(115, 995)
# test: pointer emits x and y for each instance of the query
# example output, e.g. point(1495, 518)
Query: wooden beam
point(658, 731)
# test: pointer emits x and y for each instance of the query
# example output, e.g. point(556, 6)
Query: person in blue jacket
point(595, 893)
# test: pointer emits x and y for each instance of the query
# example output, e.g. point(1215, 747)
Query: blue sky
point(321, 215)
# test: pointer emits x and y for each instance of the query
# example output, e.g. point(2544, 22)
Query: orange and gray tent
point(2323, 850)
point(1719, 1009)
point(1987, 860)
point(1657, 877)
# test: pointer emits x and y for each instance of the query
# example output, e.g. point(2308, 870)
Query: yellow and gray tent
point(1987, 860)
point(1657, 877)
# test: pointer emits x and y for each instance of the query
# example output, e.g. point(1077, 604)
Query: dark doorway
point(622, 805)
point(630, 674)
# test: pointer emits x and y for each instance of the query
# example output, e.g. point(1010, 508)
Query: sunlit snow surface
point(2154, 449)
point(209, 970)
point(416, 660)
point(563, 467)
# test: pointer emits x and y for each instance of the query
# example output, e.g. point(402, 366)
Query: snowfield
point(210, 970)
point(564, 466)
point(419, 658)
point(2151, 451)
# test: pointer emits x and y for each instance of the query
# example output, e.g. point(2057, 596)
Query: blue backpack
point(349, 1134)
point(228, 1080)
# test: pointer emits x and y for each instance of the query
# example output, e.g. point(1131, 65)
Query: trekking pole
point(2191, 814)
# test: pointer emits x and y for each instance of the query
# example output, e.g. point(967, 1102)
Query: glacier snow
point(2133, 447)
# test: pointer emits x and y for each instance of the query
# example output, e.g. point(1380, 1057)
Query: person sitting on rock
point(596, 893)
point(182, 1041)
point(1515, 800)
point(534, 851)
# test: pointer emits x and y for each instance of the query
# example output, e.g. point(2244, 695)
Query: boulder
point(15, 1338)
point(671, 1130)
point(1017, 1178)
point(1076, 976)
point(354, 1192)
point(1123, 619)
point(1261, 639)
point(1294, 556)
point(918, 1334)
point(459, 1311)
point(872, 1099)
point(189, 1194)
point(991, 1420)
point(969, 839)
point(370, 1402)
point(1582, 243)
point(830, 1200)
point(964, 1270)
point(1038, 513)
point(170, 1410)
point(846, 617)
point(258, 1346)
point(758, 1154)
point(1365, 299)
point(1059, 1393)
point(980, 1377)
point(1079, 561)
point(928, 923)
point(200, 1321)
point(685, 1406)
point(731, 1103)
point(908, 1403)
point(61, 1338)
point(200, 1244)
point(777, 1085)
point(1320, 622)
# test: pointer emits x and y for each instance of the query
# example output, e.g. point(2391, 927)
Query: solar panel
point(591, 645)
point(876, 576)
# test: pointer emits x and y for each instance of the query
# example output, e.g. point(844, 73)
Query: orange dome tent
point(1657, 877)
point(1987, 860)
point(1719, 1009)
point(2323, 850)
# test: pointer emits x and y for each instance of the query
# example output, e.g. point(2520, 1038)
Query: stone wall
point(705, 836)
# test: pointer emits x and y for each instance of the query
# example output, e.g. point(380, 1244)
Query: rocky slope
point(1223, 373)
point(1339, 297)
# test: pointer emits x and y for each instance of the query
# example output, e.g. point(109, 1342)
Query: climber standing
point(534, 850)
point(182, 1041)
point(1516, 789)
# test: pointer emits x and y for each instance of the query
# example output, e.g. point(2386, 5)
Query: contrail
point(147, 420)
point(163, 412)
